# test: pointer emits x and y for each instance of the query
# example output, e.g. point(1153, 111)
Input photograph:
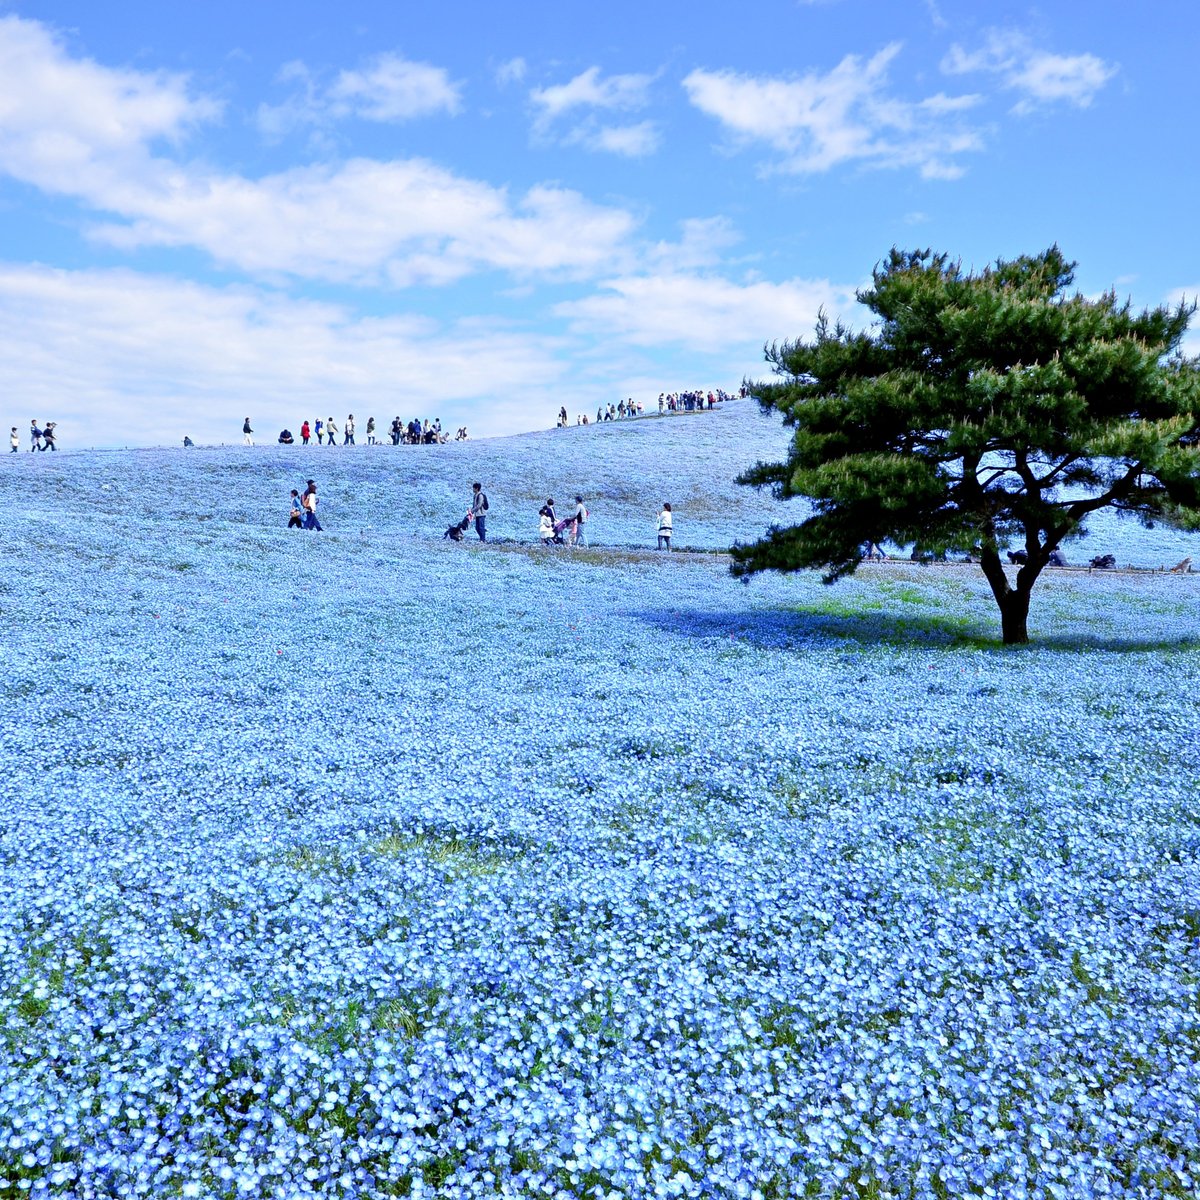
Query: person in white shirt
point(664, 528)
point(581, 516)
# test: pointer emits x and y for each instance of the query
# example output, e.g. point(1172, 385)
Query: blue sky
point(481, 212)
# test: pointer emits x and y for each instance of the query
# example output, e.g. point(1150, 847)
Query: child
point(545, 526)
point(664, 528)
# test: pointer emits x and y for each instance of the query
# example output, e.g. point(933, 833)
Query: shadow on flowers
point(833, 623)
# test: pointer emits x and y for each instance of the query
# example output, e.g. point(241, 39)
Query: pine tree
point(983, 410)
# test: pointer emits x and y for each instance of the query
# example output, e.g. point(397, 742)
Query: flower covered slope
point(365, 864)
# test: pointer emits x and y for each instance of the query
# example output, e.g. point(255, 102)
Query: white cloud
point(512, 71)
point(593, 93)
point(1039, 77)
point(391, 88)
point(77, 129)
point(701, 244)
point(629, 141)
point(704, 312)
point(590, 90)
point(369, 222)
point(117, 357)
point(387, 89)
point(819, 121)
point(66, 120)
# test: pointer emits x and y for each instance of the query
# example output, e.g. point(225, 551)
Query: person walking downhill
point(479, 508)
point(348, 431)
point(296, 516)
point(309, 503)
point(13, 440)
point(665, 528)
point(246, 432)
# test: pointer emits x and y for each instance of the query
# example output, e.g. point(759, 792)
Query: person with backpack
point(479, 508)
point(370, 431)
point(48, 436)
point(35, 436)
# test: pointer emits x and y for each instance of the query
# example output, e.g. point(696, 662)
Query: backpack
point(485, 503)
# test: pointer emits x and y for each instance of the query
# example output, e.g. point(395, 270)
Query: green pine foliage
point(984, 411)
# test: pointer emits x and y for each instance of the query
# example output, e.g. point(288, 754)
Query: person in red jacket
point(305, 433)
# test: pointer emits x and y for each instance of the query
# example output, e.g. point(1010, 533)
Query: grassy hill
point(364, 864)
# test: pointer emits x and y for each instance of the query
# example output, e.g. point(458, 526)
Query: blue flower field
point(365, 864)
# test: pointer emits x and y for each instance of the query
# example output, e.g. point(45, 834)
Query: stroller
point(565, 531)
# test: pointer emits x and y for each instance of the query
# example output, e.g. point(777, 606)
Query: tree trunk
point(1014, 617)
point(1013, 602)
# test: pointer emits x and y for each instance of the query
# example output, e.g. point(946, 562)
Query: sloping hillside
point(624, 470)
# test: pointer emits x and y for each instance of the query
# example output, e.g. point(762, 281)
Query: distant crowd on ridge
point(415, 433)
point(668, 403)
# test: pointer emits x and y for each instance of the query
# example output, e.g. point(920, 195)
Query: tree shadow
point(799, 627)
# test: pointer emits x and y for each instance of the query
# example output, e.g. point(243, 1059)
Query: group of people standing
point(415, 433)
point(322, 430)
point(672, 402)
point(40, 438)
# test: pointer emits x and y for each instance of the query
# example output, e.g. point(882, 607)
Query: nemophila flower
point(442, 901)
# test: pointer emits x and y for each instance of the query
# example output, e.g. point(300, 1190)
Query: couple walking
point(304, 508)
